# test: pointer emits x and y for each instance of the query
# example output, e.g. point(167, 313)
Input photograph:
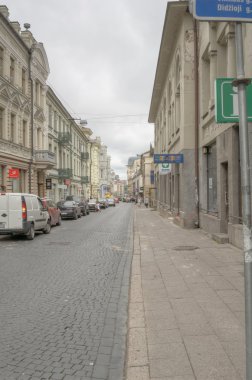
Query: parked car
point(92, 204)
point(116, 200)
point(103, 203)
point(111, 202)
point(81, 202)
point(53, 210)
point(70, 209)
point(23, 214)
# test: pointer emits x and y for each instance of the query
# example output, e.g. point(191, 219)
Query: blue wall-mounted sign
point(168, 158)
point(221, 10)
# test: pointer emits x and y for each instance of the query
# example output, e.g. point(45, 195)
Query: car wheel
point(31, 233)
point(59, 221)
point(80, 215)
point(47, 228)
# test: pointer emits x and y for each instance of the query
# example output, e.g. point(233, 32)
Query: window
point(12, 127)
point(37, 93)
point(23, 81)
point(50, 115)
point(1, 123)
point(212, 178)
point(25, 133)
point(12, 70)
point(205, 84)
point(1, 60)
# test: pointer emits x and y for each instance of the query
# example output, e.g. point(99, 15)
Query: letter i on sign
point(235, 102)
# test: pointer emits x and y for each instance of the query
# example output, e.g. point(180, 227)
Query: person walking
point(146, 202)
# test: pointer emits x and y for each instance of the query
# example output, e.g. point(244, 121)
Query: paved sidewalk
point(186, 313)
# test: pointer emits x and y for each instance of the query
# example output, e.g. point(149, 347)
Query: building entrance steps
point(186, 311)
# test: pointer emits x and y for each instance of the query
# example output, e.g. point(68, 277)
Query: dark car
point(70, 209)
point(81, 202)
point(53, 211)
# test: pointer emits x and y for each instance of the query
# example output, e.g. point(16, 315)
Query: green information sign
point(226, 101)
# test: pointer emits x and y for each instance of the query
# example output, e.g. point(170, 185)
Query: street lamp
point(82, 122)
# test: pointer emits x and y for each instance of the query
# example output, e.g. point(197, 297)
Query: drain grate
point(185, 248)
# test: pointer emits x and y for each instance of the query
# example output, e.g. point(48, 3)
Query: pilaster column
point(231, 53)
point(213, 74)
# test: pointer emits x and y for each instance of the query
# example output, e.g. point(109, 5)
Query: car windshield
point(69, 203)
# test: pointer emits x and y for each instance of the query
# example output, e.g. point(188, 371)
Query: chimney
point(16, 26)
point(5, 11)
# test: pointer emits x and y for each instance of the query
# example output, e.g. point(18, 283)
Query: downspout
point(32, 122)
point(196, 110)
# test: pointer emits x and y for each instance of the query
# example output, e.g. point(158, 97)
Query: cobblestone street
point(64, 299)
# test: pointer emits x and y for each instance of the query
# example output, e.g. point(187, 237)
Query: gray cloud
point(102, 57)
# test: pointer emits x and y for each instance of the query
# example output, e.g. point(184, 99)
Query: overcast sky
point(102, 56)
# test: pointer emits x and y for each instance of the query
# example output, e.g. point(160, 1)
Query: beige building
point(23, 144)
point(130, 174)
point(220, 208)
point(95, 167)
point(69, 143)
point(205, 190)
point(172, 112)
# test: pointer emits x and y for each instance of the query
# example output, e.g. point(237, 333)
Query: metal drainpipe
point(196, 151)
point(32, 122)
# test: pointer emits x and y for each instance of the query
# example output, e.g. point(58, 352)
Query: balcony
point(65, 138)
point(85, 179)
point(84, 155)
point(45, 159)
point(65, 173)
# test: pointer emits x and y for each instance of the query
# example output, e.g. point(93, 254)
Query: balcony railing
point(65, 173)
point(45, 157)
point(85, 179)
point(84, 155)
point(65, 138)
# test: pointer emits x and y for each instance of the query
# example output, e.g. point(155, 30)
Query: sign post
point(241, 83)
point(238, 11)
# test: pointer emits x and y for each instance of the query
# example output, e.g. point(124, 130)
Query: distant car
point(116, 200)
point(103, 202)
point(81, 202)
point(92, 204)
point(53, 210)
point(70, 209)
point(111, 202)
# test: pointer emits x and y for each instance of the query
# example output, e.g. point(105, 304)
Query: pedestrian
point(98, 206)
point(146, 202)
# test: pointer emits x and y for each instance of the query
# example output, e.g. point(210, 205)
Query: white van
point(23, 214)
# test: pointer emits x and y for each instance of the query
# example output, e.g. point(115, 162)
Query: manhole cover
point(185, 248)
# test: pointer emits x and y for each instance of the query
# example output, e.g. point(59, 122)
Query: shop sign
point(168, 158)
point(13, 173)
point(164, 169)
point(67, 182)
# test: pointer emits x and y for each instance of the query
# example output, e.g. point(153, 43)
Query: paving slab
point(186, 310)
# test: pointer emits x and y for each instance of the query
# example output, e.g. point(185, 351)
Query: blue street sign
point(168, 158)
point(221, 10)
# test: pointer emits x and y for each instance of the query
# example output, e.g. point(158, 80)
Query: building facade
point(172, 112)
point(95, 149)
point(24, 70)
point(69, 143)
point(105, 171)
point(205, 190)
